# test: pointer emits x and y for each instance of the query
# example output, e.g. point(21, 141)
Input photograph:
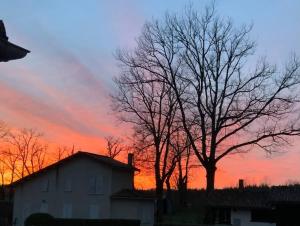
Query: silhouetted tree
point(9, 164)
point(182, 148)
point(151, 108)
point(64, 151)
point(232, 105)
point(22, 152)
point(114, 147)
point(3, 168)
point(3, 129)
point(30, 152)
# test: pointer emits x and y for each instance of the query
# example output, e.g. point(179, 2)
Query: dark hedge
point(40, 219)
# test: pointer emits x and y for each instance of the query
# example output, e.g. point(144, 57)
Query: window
point(68, 185)
point(92, 185)
point(26, 210)
point(96, 185)
point(94, 211)
point(45, 185)
point(67, 210)
point(44, 207)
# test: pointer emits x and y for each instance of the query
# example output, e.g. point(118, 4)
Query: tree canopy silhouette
point(226, 104)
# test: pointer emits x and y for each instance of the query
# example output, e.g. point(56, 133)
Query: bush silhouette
point(39, 219)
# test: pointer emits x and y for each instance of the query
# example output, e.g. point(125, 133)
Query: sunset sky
point(62, 87)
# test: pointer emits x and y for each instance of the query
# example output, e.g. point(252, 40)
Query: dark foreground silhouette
point(8, 50)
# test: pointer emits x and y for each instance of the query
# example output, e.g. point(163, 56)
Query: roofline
point(14, 45)
point(122, 165)
point(133, 194)
point(69, 158)
point(134, 198)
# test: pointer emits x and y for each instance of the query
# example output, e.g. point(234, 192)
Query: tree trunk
point(159, 198)
point(183, 194)
point(168, 184)
point(210, 177)
point(168, 201)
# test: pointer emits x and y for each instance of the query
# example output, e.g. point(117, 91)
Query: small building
point(86, 186)
point(256, 206)
point(133, 204)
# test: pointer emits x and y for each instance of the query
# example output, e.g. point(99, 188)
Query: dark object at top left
point(8, 50)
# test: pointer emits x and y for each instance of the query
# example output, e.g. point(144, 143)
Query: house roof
point(80, 154)
point(8, 50)
point(255, 197)
point(134, 194)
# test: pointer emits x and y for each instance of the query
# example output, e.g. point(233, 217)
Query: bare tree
point(64, 151)
point(151, 108)
point(3, 129)
point(22, 152)
point(114, 146)
point(232, 106)
point(9, 160)
point(3, 132)
point(4, 169)
point(26, 148)
point(9, 165)
point(60, 153)
point(2, 172)
point(182, 148)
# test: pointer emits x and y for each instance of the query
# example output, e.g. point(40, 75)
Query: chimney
point(241, 184)
point(130, 159)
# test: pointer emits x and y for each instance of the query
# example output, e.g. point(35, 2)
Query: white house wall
point(79, 202)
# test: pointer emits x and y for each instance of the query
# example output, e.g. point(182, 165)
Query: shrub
point(96, 222)
point(39, 219)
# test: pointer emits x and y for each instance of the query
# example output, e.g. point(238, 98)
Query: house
point(84, 185)
point(256, 206)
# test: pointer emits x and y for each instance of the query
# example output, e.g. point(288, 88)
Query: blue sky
point(62, 87)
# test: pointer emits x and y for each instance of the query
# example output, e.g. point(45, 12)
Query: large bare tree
point(151, 108)
point(230, 102)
